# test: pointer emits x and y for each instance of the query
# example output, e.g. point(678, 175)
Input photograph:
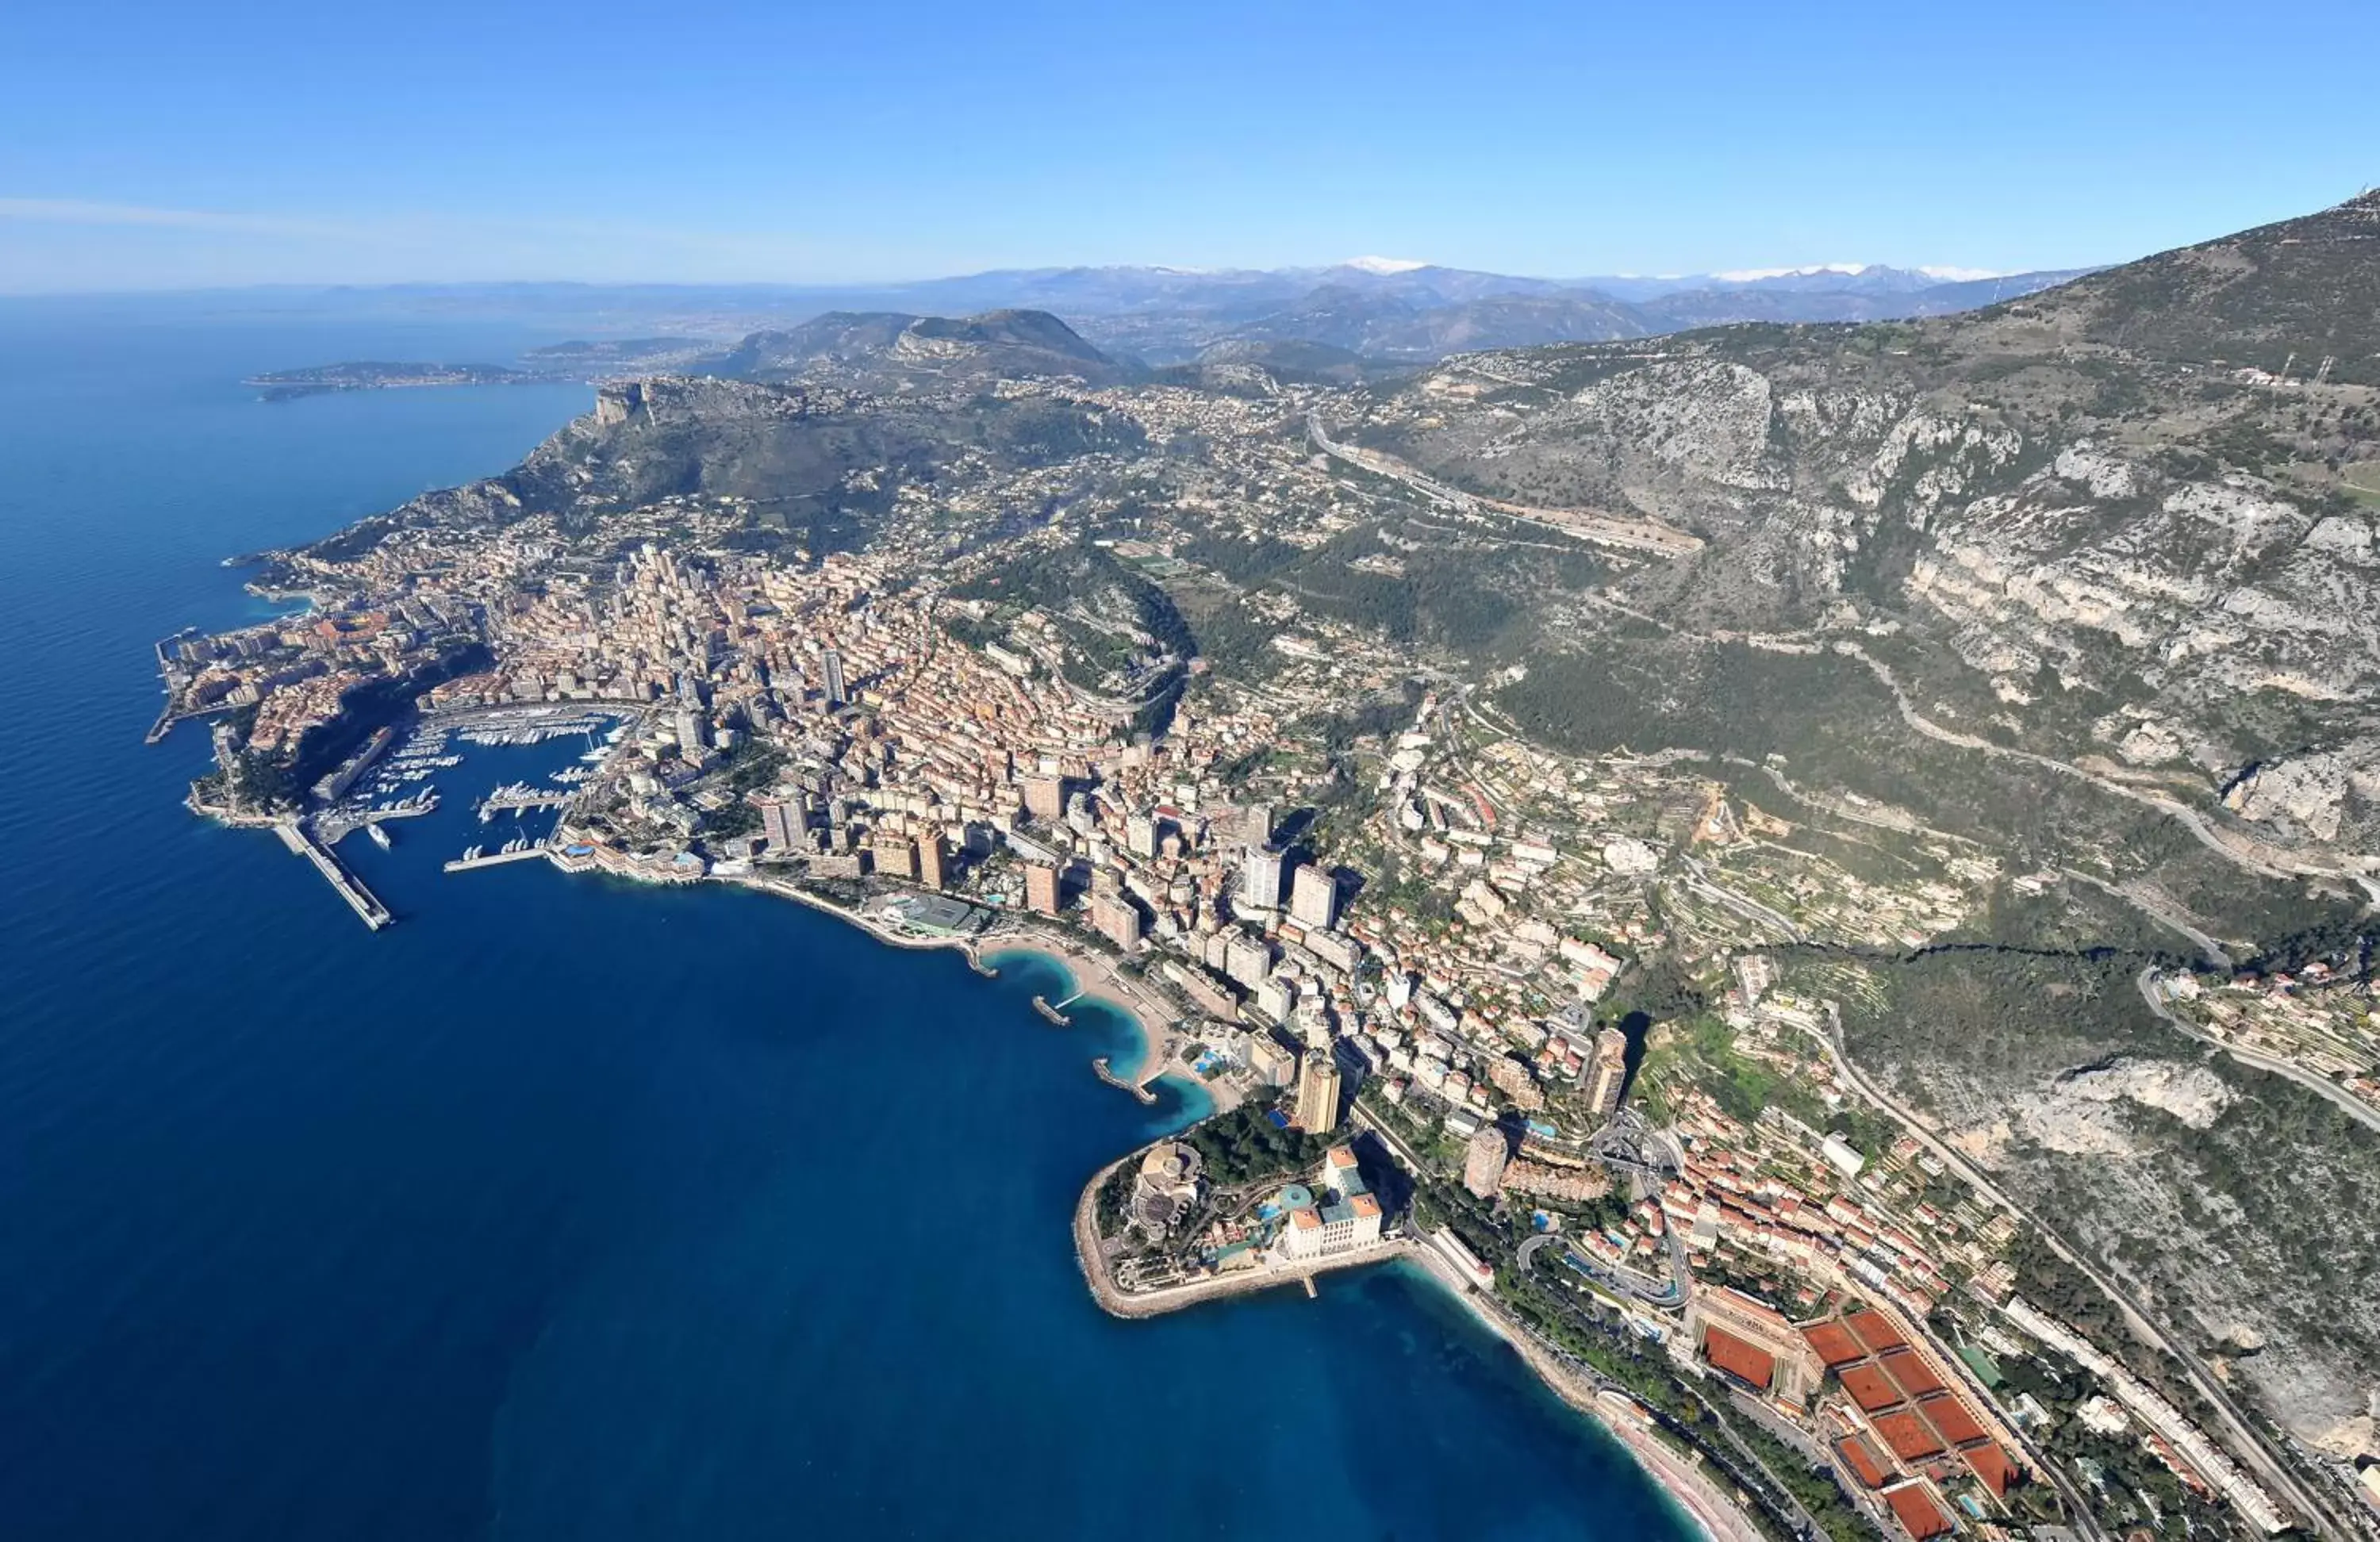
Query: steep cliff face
point(2108, 535)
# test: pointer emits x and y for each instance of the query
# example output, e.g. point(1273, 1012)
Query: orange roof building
point(1740, 1360)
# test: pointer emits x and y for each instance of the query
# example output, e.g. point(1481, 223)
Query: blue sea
point(565, 1208)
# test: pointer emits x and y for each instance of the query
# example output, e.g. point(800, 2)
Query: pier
point(338, 824)
point(520, 796)
point(495, 858)
point(298, 839)
point(1041, 1004)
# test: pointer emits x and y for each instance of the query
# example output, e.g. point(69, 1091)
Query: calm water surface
point(566, 1209)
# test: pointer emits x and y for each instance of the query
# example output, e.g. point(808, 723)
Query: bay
point(568, 1209)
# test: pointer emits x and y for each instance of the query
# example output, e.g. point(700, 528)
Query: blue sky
point(169, 146)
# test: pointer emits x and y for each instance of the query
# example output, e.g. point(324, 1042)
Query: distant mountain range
point(1368, 316)
point(1420, 312)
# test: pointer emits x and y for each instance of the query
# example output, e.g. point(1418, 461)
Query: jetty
point(519, 795)
point(1041, 1004)
point(301, 840)
point(1108, 1076)
point(475, 858)
point(337, 824)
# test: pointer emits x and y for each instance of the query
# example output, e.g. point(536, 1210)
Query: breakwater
point(301, 840)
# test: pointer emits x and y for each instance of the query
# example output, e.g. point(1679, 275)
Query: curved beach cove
point(566, 1207)
point(1111, 1022)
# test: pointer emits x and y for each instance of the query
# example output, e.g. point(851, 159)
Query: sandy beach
point(1095, 974)
point(1098, 978)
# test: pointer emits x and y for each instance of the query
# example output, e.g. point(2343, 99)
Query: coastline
point(1117, 1302)
point(1104, 985)
point(1096, 978)
point(1710, 1509)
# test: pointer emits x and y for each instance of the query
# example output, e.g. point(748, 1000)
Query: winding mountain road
point(2347, 1102)
point(2244, 1440)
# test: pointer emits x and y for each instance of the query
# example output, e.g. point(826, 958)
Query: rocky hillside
point(819, 466)
point(886, 347)
point(2093, 523)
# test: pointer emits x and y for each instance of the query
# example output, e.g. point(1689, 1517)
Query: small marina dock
point(301, 841)
point(519, 796)
point(475, 857)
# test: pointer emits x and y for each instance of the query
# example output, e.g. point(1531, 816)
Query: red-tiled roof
point(1992, 1465)
point(1907, 1368)
point(1918, 1512)
point(1739, 1359)
point(1949, 1416)
point(1834, 1343)
point(1875, 1328)
point(1910, 1437)
point(1869, 1387)
point(1860, 1455)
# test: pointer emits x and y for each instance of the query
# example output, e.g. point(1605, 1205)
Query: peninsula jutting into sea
point(1700, 842)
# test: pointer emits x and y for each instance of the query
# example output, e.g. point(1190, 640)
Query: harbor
point(389, 779)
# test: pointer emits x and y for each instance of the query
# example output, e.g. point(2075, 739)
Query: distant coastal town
point(1429, 971)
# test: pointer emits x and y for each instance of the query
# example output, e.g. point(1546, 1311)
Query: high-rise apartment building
point(1313, 897)
point(1260, 879)
point(1045, 798)
point(1317, 1093)
point(1117, 919)
point(1609, 1071)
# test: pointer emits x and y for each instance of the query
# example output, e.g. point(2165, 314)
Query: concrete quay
point(300, 840)
point(495, 858)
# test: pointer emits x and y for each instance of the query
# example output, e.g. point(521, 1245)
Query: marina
point(389, 779)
